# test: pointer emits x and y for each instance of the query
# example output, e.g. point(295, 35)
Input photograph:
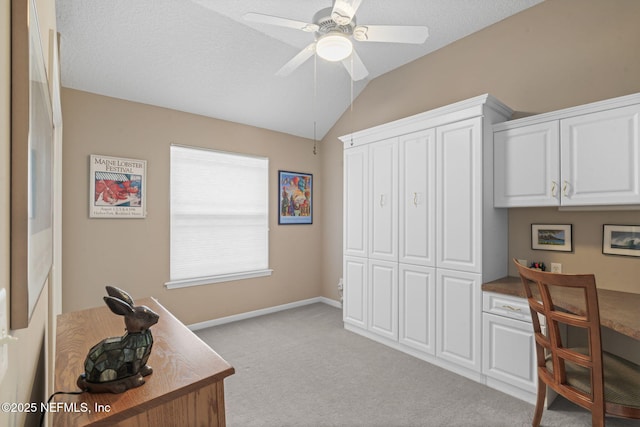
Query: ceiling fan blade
point(391, 33)
point(355, 67)
point(297, 60)
point(281, 22)
point(344, 10)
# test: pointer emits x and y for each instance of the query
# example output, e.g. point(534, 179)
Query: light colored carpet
point(300, 368)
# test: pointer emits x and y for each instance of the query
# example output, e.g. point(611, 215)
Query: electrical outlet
point(556, 267)
point(523, 262)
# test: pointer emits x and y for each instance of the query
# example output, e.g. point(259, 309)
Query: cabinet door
point(417, 298)
point(600, 155)
point(383, 206)
point(459, 195)
point(527, 166)
point(383, 298)
point(509, 352)
point(356, 200)
point(417, 196)
point(459, 301)
point(354, 309)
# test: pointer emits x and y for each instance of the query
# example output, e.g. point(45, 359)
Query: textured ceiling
point(202, 57)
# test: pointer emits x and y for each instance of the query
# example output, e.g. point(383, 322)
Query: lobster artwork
point(119, 363)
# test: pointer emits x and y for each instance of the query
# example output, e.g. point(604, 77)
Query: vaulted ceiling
point(203, 57)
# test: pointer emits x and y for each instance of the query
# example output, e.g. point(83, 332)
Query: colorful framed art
point(117, 187)
point(295, 198)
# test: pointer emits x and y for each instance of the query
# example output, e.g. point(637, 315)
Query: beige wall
point(134, 253)
point(24, 379)
point(557, 54)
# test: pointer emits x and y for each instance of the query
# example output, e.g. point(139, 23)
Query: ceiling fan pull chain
point(351, 103)
point(315, 102)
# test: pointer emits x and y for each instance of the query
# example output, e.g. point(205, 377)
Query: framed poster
point(117, 187)
point(295, 198)
point(551, 237)
point(621, 240)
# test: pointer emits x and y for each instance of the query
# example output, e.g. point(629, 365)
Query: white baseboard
point(262, 312)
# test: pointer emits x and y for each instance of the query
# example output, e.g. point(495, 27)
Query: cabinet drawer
point(506, 305)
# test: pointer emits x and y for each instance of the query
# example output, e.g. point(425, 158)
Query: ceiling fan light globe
point(334, 47)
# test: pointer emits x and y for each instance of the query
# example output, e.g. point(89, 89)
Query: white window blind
point(219, 216)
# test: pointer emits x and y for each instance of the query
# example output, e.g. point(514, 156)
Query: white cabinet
point(509, 354)
point(383, 298)
point(383, 206)
point(527, 165)
point(356, 202)
point(418, 214)
point(600, 157)
point(355, 304)
point(417, 307)
point(581, 156)
point(459, 195)
point(459, 305)
point(417, 190)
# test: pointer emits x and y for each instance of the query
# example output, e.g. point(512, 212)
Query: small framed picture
point(621, 240)
point(552, 237)
point(295, 202)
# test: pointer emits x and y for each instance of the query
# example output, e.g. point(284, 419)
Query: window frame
point(223, 277)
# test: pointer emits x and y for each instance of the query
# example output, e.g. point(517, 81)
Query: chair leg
point(597, 419)
point(542, 392)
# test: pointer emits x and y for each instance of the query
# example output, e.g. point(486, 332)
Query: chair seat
point(621, 379)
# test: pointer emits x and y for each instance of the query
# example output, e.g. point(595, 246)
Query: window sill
point(198, 281)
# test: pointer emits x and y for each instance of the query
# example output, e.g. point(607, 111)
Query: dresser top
point(181, 363)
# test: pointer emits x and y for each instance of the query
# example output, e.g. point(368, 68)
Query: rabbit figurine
point(119, 363)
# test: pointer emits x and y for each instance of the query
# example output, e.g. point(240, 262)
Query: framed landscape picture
point(295, 198)
point(552, 237)
point(621, 240)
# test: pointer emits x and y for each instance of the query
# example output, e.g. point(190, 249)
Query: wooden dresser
point(185, 388)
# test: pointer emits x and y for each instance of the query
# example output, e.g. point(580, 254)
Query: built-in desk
point(185, 389)
point(619, 311)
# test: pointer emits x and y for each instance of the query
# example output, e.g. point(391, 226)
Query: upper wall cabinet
point(527, 165)
point(581, 156)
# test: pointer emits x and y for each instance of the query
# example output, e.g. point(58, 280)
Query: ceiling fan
point(334, 27)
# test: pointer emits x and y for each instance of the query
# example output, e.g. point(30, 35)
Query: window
point(219, 216)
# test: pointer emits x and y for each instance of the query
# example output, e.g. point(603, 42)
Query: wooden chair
point(598, 381)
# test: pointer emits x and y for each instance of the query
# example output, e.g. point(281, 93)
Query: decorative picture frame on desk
point(552, 237)
point(621, 240)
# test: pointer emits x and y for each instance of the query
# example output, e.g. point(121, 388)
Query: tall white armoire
point(421, 234)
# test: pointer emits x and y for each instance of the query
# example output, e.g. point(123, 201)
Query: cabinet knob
point(382, 200)
point(511, 308)
point(415, 199)
point(565, 188)
point(554, 189)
